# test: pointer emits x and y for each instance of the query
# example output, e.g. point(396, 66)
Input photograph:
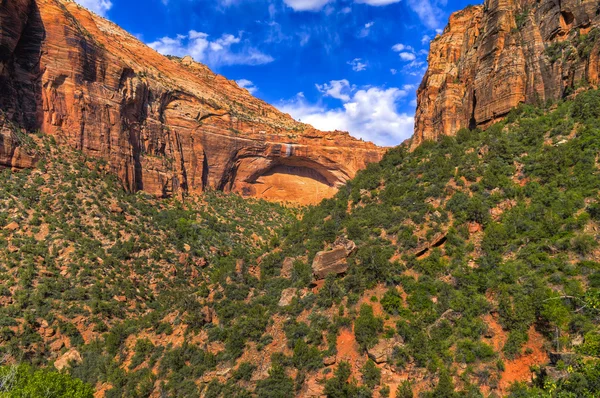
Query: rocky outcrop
point(287, 296)
point(164, 125)
point(71, 356)
point(14, 152)
point(333, 261)
point(383, 350)
point(287, 267)
point(492, 57)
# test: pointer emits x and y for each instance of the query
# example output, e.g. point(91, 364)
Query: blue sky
point(352, 65)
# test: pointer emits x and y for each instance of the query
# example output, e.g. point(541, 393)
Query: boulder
point(66, 358)
point(13, 226)
point(287, 296)
point(566, 357)
point(207, 314)
point(328, 361)
point(577, 341)
point(333, 261)
point(287, 267)
point(383, 350)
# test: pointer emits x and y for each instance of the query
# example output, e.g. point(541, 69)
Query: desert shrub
point(367, 327)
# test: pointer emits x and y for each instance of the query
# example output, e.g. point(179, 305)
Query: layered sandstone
point(164, 125)
point(492, 57)
point(333, 261)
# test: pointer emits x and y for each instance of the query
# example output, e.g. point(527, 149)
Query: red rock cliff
point(492, 57)
point(163, 125)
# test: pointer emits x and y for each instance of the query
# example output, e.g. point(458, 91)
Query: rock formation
point(492, 57)
point(333, 261)
point(164, 125)
point(287, 296)
point(384, 349)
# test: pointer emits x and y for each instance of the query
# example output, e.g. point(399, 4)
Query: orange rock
point(115, 208)
point(183, 258)
point(484, 64)
point(475, 227)
point(164, 125)
point(333, 261)
point(66, 358)
point(287, 267)
point(13, 226)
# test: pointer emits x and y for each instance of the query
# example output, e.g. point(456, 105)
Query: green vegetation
point(23, 382)
point(530, 184)
point(466, 248)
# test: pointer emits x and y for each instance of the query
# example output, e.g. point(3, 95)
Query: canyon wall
point(164, 125)
point(492, 57)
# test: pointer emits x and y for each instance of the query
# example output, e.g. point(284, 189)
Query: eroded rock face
point(164, 125)
point(492, 57)
point(13, 152)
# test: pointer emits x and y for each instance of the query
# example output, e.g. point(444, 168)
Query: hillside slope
point(479, 254)
point(468, 265)
point(164, 125)
point(494, 56)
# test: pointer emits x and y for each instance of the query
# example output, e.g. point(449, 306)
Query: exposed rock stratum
point(492, 57)
point(164, 125)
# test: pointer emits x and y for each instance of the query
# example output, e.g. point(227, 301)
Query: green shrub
point(25, 381)
point(367, 327)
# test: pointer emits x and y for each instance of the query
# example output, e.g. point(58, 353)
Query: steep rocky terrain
point(468, 266)
point(492, 57)
point(163, 125)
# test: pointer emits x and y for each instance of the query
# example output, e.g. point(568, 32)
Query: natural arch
point(294, 180)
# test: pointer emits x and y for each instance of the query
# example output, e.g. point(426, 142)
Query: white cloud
point(358, 65)
point(406, 53)
point(100, 7)
point(306, 5)
point(401, 47)
point(338, 89)
point(304, 38)
point(393, 71)
point(377, 2)
point(370, 113)
point(213, 53)
point(364, 32)
point(425, 39)
point(248, 85)
point(429, 13)
point(406, 56)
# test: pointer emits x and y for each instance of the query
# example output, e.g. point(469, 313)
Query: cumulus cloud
point(401, 47)
point(100, 7)
point(358, 65)
point(306, 5)
point(226, 50)
point(406, 53)
point(248, 85)
point(338, 89)
point(406, 56)
point(370, 113)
